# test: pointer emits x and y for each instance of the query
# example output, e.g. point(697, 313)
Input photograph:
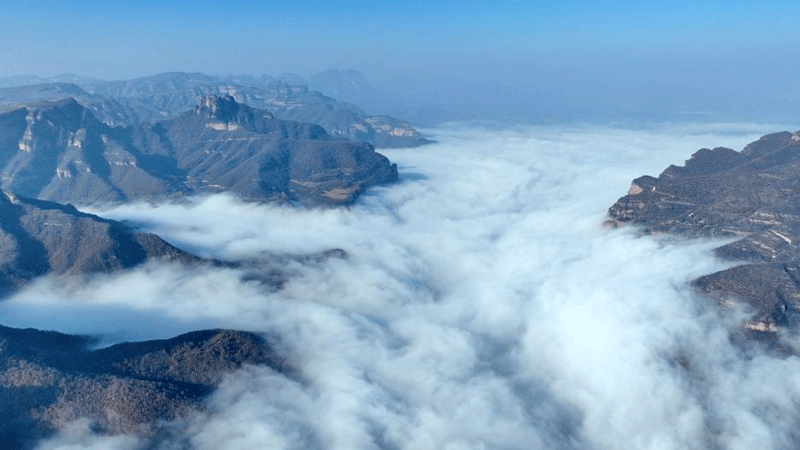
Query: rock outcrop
point(59, 151)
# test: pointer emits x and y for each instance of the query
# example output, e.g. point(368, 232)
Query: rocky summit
point(49, 379)
point(752, 196)
point(59, 151)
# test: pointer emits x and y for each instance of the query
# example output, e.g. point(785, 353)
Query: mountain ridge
point(751, 195)
point(167, 95)
point(40, 237)
point(49, 379)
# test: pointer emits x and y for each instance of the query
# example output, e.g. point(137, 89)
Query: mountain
point(49, 379)
point(39, 237)
point(227, 146)
point(105, 108)
point(410, 99)
point(161, 96)
point(170, 94)
point(25, 80)
point(40, 92)
point(297, 102)
point(351, 86)
point(59, 151)
point(753, 196)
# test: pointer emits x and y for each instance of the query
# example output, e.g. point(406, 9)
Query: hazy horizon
point(619, 58)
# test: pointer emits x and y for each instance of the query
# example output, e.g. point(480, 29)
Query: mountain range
point(167, 95)
point(73, 150)
point(273, 140)
point(60, 151)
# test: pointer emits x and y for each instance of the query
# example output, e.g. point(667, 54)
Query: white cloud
point(78, 436)
point(481, 306)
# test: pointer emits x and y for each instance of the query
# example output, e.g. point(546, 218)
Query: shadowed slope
point(41, 237)
point(49, 379)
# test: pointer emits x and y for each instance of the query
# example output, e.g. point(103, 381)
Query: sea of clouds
point(481, 305)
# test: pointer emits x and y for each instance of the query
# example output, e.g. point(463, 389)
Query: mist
point(481, 304)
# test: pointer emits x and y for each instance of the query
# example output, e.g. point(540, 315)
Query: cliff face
point(59, 151)
point(753, 195)
point(49, 379)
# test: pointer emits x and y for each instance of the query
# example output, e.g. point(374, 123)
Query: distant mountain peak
point(66, 106)
point(65, 113)
point(223, 108)
point(217, 107)
point(61, 88)
point(284, 88)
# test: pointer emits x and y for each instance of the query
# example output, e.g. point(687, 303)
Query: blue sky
point(128, 38)
point(544, 46)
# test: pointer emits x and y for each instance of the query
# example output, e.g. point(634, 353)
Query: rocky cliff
point(752, 196)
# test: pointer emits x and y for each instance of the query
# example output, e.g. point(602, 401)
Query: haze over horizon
point(503, 58)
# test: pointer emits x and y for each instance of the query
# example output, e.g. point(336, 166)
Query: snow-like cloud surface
point(481, 306)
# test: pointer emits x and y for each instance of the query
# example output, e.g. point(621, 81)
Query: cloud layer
point(481, 305)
